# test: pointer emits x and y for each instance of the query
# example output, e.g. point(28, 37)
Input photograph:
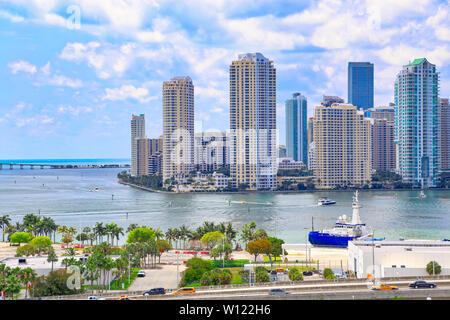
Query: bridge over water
point(60, 166)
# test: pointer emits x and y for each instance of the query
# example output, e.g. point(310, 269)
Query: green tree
point(5, 221)
point(20, 237)
point(433, 268)
point(12, 286)
point(210, 239)
point(141, 235)
point(27, 275)
point(259, 247)
point(275, 250)
point(247, 232)
point(52, 257)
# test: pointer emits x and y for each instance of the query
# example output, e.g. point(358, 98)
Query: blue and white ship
point(343, 231)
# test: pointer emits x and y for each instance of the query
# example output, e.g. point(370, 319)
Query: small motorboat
point(422, 195)
point(325, 202)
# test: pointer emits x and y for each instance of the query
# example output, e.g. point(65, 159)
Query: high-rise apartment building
point(253, 145)
point(444, 134)
point(211, 151)
point(360, 84)
point(178, 127)
point(296, 110)
point(310, 128)
point(383, 147)
point(416, 123)
point(137, 131)
point(342, 146)
point(143, 154)
point(282, 151)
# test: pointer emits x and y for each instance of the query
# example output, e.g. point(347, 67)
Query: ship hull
point(319, 239)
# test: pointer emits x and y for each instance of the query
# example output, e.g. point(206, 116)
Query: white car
point(141, 273)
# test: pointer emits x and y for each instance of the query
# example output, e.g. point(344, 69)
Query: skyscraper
point(383, 148)
point(143, 155)
point(178, 127)
point(137, 131)
point(342, 146)
point(296, 128)
point(360, 84)
point(211, 150)
point(444, 133)
point(416, 123)
point(253, 149)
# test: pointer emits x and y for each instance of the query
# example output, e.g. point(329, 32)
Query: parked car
point(93, 298)
point(384, 286)
point(124, 297)
point(276, 291)
point(422, 284)
point(154, 291)
point(184, 290)
point(308, 273)
point(141, 273)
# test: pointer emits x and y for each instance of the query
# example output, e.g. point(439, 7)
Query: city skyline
point(69, 91)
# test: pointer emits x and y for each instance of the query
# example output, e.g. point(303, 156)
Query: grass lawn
point(115, 284)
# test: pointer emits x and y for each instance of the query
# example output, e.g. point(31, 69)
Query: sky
point(73, 72)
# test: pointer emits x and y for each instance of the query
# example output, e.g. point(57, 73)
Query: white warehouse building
point(403, 258)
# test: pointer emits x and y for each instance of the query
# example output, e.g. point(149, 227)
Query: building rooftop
point(416, 62)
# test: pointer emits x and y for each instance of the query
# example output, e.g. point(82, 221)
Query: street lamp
point(306, 246)
point(373, 253)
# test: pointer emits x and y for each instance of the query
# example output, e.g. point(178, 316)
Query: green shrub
point(26, 250)
point(260, 269)
point(295, 275)
point(54, 284)
point(328, 274)
point(262, 276)
point(42, 241)
point(205, 279)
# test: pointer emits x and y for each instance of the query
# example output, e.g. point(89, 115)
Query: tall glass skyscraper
point(296, 128)
point(360, 84)
point(417, 123)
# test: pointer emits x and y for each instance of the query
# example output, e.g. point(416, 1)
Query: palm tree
point(27, 275)
point(52, 257)
point(132, 226)
point(49, 226)
point(99, 231)
point(184, 234)
point(158, 233)
point(10, 229)
point(5, 221)
point(117, 232)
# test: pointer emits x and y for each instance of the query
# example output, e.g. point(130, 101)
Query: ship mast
point(355, 205)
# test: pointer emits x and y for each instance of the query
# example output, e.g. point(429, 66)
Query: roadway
point(329, 291)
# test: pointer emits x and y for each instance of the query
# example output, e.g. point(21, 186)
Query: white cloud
point(11, 17)
point(126, 92)
point(22, 66)
point(75, 111)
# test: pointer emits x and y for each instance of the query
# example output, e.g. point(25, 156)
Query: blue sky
point(69, 88)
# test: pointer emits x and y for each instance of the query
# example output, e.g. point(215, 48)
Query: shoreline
point(275, 192)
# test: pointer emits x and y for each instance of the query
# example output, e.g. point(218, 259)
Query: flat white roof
point(402, 243)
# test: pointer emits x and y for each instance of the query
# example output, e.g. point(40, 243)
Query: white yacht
point(325, 202)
